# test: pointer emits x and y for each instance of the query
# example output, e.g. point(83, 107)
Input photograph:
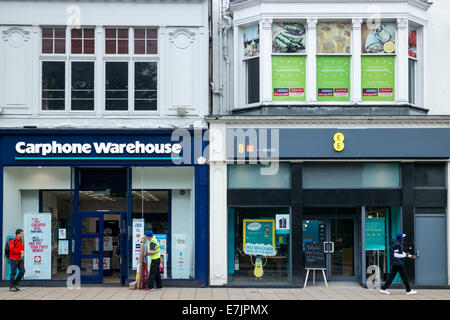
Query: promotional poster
point(379, 40)
point(333, 38)
point(288, 78)
point(288, 37)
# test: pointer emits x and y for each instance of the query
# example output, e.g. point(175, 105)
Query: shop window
point(116, 41)
point(430, 175)
point(412, 65)
point(82, 89)
point(83, 41)
point(53, 85)
point(333, 61)
point(145, 41)
point(54, 40)
point(288, 61)
point(145, 86)
point(251, 51)
point(251, 176)
point(258, 245)
point(351, 175)
point(116, 86)
point(378, 62)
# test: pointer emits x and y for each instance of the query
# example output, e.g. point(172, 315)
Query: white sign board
point(138, 233)
point(38, 246)
point(180, 262)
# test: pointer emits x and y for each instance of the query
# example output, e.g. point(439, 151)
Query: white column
point(311, 64)
point(99, 70)
point(218, 270)
point(356, 61)
point(265, 60)
point(402, 61)
point(36, 70)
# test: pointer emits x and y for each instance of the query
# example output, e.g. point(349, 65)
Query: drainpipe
point(229, 23)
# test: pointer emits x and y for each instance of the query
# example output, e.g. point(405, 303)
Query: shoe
point(152, 289)
point(411, 292)
point(17, 288)
point(13, 289)
point(384, 291)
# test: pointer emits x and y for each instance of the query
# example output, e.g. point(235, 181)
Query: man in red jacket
point(16, 250)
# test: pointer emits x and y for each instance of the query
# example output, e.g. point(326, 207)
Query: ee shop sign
point(98, 148)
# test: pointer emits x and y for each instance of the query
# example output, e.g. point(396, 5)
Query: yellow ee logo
point(338, 142)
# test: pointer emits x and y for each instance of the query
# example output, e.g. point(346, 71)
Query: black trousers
point(154, 277)
point(402, 272)
point(16, 264)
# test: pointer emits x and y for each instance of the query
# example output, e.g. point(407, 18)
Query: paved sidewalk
point(336, 291)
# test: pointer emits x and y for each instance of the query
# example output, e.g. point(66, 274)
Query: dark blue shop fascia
point(192, 147)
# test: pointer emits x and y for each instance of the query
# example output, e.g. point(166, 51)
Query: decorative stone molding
point(402, 23)
point(16, 36)
point(182, 38)
point(357, 23)
point(266, 24)
point(312, 24)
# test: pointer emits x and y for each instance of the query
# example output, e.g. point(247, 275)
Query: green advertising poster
point(288, 78)
point(375, 234)
point(259, 237)
point(333, 78)
point(378, 78)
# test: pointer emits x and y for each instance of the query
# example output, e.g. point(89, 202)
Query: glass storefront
point(259, 245)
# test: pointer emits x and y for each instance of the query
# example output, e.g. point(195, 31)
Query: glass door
point(90, 246)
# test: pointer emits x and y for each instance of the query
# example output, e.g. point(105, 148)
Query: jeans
point(154, 275)
point(402, 272)
point(14, 265)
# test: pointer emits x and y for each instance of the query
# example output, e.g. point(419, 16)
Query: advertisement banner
point(378, 78)
point(333, 78)
point(251, 42)
point(282, 224)
point(38, 246)
point(288, 37)
point(333, 37)
point(412, 42)
point(375, 234)
point(288, 78)
point(259, 237)
point(180, 264)
point(162, 240)
point(380, 39)
point(63, 247)
point(138, 233)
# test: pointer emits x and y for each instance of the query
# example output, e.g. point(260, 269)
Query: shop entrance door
point(90, 246)
point(338, 238)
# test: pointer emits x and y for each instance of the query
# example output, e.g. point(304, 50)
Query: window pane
point(152, 47)
point(123, 33)
point(110, 33)
point(145, 91)
point(77, 46)
point(139, 46)
point(47, 46)
point(110, 46)
point(241, 176)
point(429, 175)
point(89, 46)
point(253, 80)
point(333, 37)
point(412, 81)
point(379, 40)
point(89, 33)
point(152, 33)
point(122, 47)
point(139, 33)
point(53, 86)
point(60, 33)
point(60, 46)
point(116, 86)
point(47, 33)
point(77, 33)
point(82, 86)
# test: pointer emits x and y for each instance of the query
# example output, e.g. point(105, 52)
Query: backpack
point(7, 251)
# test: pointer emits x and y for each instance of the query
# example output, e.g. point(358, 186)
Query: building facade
point(102, 122)
point(327, 132)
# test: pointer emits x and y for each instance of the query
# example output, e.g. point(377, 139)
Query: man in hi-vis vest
point(153, 252)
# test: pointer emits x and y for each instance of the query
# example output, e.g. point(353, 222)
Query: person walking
point(154, 277)
point(16, 250)
point(398, 257)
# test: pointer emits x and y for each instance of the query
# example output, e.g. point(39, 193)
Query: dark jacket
point(396, 247)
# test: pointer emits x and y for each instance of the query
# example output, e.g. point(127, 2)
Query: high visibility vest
point(156, 255)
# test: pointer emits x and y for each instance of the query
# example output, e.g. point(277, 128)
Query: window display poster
point(380, 39)
point(378, 78)
point(251, 41)
point(412, 42)
point(375, 234)
point(138, 233)
point(259, 237)
point(288, 37)
point(162, 241)
point(63, 247)
point(333, 78)
point(106, 263)
point(107, 243)
point(38, 248)
point(333, 37)
point(282, 224)
point(62, 234)
point(288, 78)
point(180, 263)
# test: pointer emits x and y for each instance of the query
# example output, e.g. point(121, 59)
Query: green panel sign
point(259, 237)
point(378, 78)
point(333, 78)
point(288, 78)
point(375, 234)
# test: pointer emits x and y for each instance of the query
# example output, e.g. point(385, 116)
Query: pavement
point(335, 291)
